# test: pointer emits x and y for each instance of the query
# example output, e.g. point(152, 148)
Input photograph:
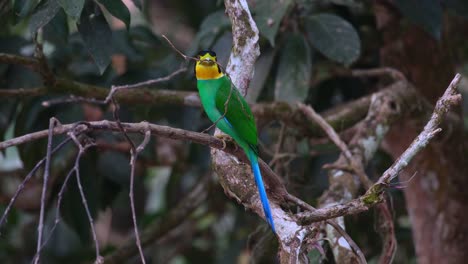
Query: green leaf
point(118, 9)
point(211, 27)
point(73, 8)
point(424, 13)
point(44, 12)
point(294, 70)
point(57, 30)
point(268, 15)
point(97, 37)
point(334, 37)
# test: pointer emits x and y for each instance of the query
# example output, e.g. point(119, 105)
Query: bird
point(228, 110)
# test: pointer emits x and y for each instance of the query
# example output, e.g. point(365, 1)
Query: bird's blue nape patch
point(225, 119)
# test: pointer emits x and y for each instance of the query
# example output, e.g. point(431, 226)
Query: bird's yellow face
point(207, 67)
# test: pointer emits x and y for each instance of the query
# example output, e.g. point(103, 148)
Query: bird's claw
point(223, 139)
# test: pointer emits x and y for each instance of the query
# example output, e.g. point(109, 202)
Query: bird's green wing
point(237, 112)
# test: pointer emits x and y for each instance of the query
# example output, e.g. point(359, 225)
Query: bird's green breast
point(207, 90)
point(226, 107)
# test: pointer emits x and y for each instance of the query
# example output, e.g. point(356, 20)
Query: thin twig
point(310, 113)
point(133, 158)
point(115, 89)
point(116, 115)
point(386, 229)
point(357, 167)
point(186, 57)
point(72, 99)
point(81, 150)
point(354, 246)
point(40, 226)
point(178, 51)
point(26, 179)
point(377, 72)
point(59, 205)
point(134, 153)
point(279, 143)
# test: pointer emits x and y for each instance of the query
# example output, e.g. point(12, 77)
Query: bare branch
point(105, 125)
point(177, 50)
point(133, 158)
point(59, 204)
point(443, 105)
point(357, 166)
point(16, 59)
point(377, 72)
point(71, 99)
point(310, 113)
point(387, 232)
point(40, 226)
point(26, 179)
point(115, 89)
point(81, 150)
point(349, 240)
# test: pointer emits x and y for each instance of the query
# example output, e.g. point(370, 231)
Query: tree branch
point(27, 178)
point(432, 128)
point(340, 118)
point(40, 226)
point(81, 150)
point(133, 157)
point(16, 59)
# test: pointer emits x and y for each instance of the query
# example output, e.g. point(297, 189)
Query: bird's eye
point(212, 53)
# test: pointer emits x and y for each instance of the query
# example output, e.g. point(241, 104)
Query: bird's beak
point(207, 62)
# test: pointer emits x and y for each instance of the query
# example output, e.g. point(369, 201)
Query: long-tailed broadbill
point(225, 106)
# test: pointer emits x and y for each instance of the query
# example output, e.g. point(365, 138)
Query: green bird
point(226, 107)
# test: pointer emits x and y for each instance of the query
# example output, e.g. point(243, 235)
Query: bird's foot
point(223, 138)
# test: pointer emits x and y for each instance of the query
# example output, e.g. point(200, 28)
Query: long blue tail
point(261, 188)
